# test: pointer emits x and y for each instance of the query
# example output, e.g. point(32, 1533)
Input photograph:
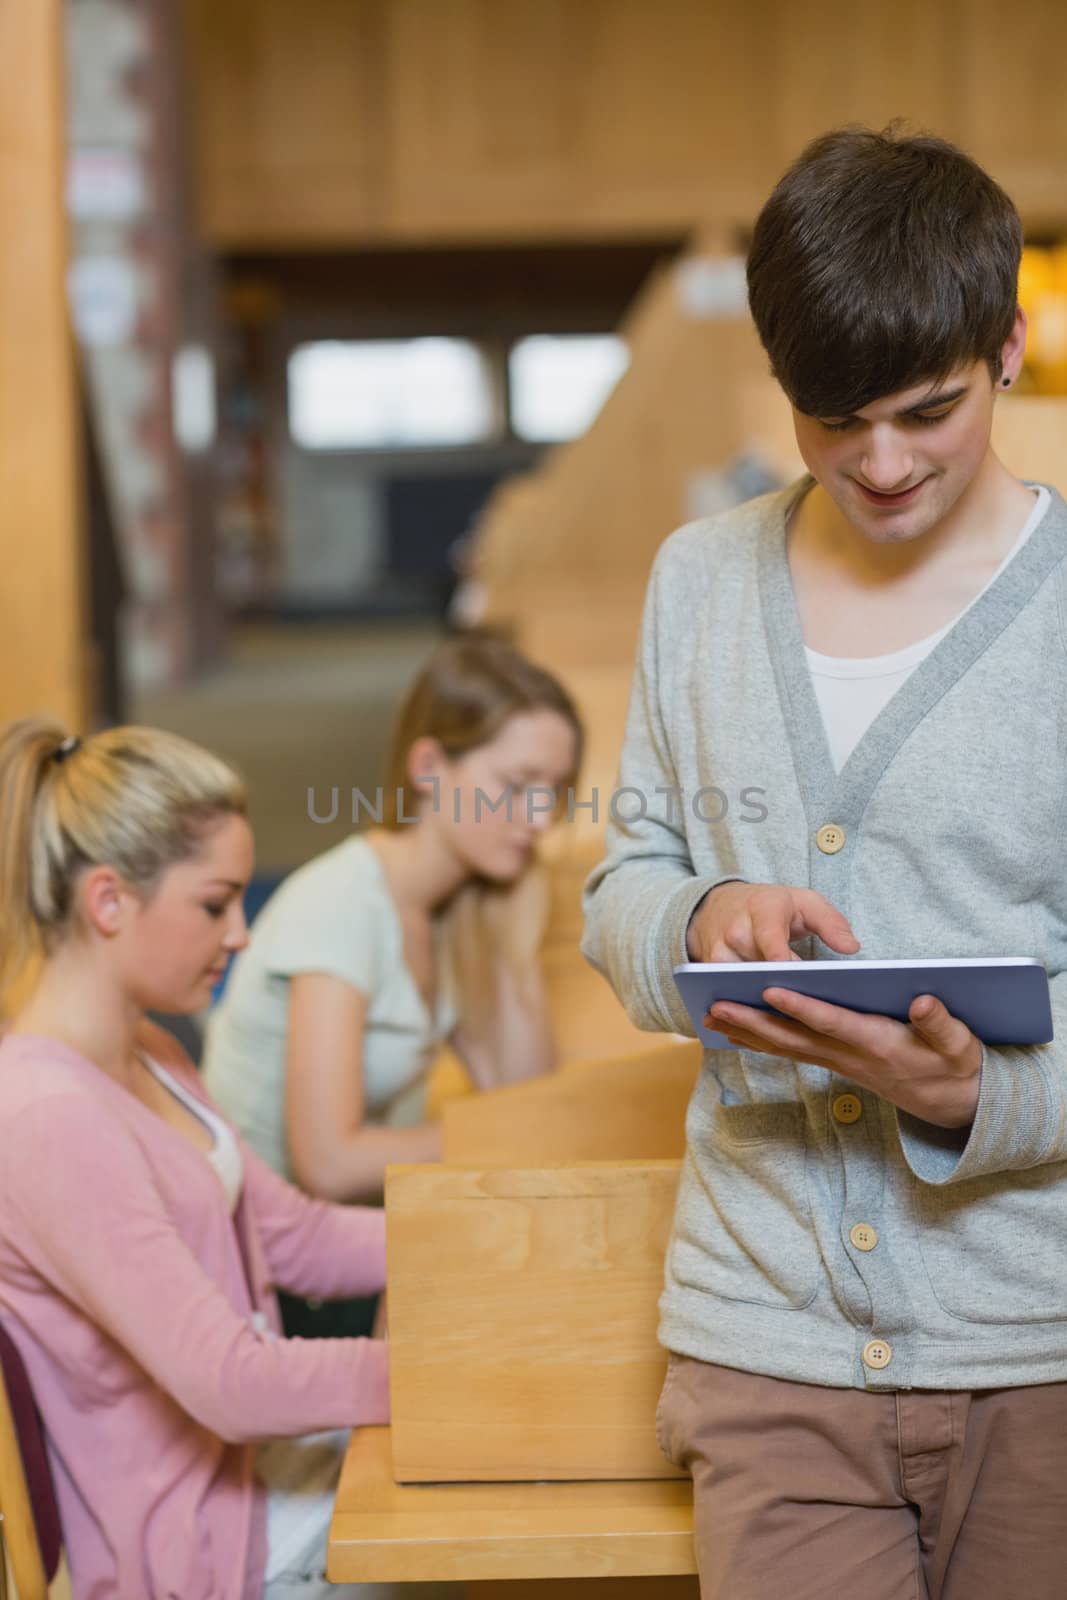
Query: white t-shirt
point(336, 916)
point(225, 1153)
point(851, 691)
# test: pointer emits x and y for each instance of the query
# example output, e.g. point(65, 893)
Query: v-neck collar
point(195, 1107)
point(105, 1086)
point(832, 795)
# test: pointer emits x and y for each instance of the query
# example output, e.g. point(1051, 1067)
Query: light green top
point(335, 916)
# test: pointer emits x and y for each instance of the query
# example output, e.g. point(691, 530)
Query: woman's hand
point(930, 1066)
point(516, 1043)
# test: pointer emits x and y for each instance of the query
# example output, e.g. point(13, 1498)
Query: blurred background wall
point(390, 316)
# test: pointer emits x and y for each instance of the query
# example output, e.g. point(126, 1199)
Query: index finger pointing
point(825, 921)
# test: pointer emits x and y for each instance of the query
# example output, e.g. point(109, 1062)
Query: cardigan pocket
point(743, 1227)
point(986, 1247)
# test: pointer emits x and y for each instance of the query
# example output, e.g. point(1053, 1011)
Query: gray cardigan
point(953, 812)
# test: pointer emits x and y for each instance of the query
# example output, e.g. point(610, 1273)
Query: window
point(381, 394)
point(559, 382)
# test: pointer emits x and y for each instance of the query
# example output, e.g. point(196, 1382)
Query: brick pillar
point(141, 292)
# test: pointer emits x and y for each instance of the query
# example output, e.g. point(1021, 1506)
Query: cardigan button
point(830, 839)
point(847, 1108)
point(877, 1354)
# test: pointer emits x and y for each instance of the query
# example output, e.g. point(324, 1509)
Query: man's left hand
point(930, 1066)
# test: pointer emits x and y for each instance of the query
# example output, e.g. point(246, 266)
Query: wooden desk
point(630, 1108)
point(515, 1540)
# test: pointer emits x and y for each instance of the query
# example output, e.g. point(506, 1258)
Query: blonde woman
point(424, 928)
point(139, 1236)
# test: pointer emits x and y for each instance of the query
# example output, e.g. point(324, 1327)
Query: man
point(866, 1293)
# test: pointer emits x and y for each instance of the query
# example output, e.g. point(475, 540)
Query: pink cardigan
point(130, 1291)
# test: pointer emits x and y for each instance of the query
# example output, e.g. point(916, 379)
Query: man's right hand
point(757, 921)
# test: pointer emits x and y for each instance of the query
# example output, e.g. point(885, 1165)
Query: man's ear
point(102, 895)
point(1013, 350)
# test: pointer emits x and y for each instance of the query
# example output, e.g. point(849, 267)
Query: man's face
point(896, 468)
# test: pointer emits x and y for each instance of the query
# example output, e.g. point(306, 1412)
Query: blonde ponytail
point(132, 798)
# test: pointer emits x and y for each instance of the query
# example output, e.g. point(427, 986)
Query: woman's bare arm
point(333, 1152)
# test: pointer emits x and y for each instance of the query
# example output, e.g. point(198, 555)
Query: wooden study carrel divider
point(522, 1320)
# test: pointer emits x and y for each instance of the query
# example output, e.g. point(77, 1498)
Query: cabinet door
point(838, 63)
point(288, 119)
point(1014, 114)
point(550, 117)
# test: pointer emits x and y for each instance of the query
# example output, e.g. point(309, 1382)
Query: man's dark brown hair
point(881, 260)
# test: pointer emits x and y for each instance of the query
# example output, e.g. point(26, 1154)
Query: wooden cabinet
point(1013, 111)
point(349, 121)
point(287, 119)
point(545, 117)
point(838, 63)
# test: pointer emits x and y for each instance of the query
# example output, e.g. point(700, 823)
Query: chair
point(29, 1515)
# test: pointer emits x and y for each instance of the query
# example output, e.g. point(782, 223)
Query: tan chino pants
point(808, 1493)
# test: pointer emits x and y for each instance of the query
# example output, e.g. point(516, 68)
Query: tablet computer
point(1002, 999)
